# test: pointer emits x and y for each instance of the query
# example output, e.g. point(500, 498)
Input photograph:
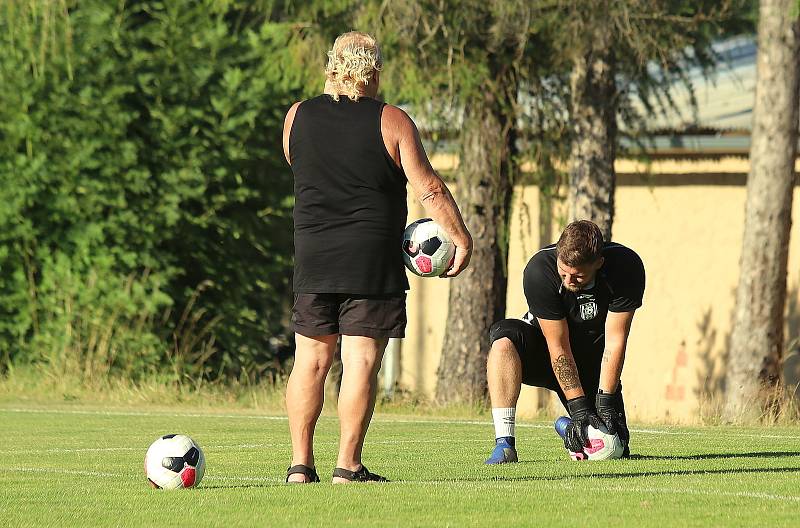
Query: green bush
point(144, 199)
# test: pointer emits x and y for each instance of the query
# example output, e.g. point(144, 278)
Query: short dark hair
point(581, 243)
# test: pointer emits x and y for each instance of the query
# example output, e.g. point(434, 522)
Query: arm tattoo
point(566, 372)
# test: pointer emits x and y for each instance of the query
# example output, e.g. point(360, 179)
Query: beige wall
point(685, 219)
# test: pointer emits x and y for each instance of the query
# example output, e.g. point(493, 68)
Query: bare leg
point(305, 395)
point(504, 373)
point(361, 360)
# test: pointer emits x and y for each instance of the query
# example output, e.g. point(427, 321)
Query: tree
point(486, 175)
point(145, 206)
point(461, 65)
point(626, 58)
point(505, 80)
point(505, 74)
point(593, 91)
point(756, 344)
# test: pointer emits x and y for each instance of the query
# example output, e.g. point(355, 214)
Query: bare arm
point(618, 327)
point(287, 130)
point(556, 333)
point(405, 146)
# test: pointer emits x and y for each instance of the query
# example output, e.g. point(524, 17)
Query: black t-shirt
point(618, 287)
point(350, 200)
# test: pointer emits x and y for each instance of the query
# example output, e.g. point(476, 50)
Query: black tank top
point(350, 200)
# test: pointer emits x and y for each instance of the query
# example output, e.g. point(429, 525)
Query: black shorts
point(537, 369)
point(377, 316)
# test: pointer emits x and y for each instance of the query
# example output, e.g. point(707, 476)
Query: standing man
point(582, 294)
point(351, 156)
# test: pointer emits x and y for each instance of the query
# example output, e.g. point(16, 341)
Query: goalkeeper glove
point(612, 412)
point(583, 415)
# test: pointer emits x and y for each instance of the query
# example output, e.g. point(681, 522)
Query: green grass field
point(82, 466)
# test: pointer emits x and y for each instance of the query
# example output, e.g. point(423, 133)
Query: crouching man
point(582, 293)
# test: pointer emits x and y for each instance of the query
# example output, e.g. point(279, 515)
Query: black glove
point(612, 411)
point(583, 415)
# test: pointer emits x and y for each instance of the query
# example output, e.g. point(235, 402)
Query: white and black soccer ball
point(174, 461)
point(427, 250)
point(602, 445)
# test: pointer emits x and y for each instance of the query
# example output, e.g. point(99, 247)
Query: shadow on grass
point(240, 486)
point(709, 456)
point(628, 475)
point(622, 475)
point(607, 475)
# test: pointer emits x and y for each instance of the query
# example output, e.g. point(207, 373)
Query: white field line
point(139, 413)
point(377, 420)
point(544, 484)
point(58, 471)
point(61, 471)
point(548, 426)
point(57, 450)
point(686, 491)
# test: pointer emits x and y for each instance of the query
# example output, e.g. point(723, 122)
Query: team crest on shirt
point(588, 310)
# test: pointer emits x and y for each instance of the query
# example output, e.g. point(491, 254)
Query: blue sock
point(510, 440)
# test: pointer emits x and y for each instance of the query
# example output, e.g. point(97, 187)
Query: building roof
point(724, 99)
point(720, 124)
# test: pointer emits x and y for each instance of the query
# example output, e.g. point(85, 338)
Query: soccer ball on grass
point(174, 461)
point(602, 445)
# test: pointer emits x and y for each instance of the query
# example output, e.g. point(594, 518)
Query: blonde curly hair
point(352, 62)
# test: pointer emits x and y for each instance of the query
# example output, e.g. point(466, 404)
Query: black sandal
point(309, 472)
point(362, 475)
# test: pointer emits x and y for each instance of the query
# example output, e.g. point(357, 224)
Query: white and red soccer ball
point(602, 446)
point(427, 249)
point(174, 461)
